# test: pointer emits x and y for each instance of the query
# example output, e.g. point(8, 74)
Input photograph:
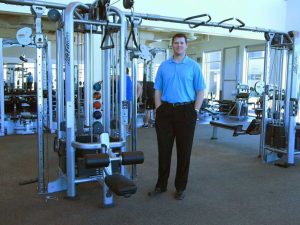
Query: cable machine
point(280, 103)
point(87, 152)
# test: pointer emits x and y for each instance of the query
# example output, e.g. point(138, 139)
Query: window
point(212, 74)
point(254, 67)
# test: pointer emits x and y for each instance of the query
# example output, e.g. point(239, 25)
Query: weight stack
point(81, 170)
point(269, 134)
point(297, 140)
point(275, 136)
point(279, 138)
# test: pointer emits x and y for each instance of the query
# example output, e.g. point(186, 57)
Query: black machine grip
point(198, 16)
point(96, 160)
point(105, 47)
point(129, 158)
point(242, 24)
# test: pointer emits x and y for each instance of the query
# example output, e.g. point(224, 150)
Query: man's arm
point(157, 98)
point(199, 100)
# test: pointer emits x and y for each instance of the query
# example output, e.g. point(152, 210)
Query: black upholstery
point(120, 185)
point(237, 128)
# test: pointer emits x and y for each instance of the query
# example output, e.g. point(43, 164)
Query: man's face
point(179, 46)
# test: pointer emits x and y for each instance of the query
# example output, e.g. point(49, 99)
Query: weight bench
point(237, 128)
point(117, 183)
point(254, 128)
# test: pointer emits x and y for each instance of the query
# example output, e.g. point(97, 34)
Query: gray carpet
point(228, 185)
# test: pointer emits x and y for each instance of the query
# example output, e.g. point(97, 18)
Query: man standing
point(29, 81)
point(150, 106)
point(179, 91)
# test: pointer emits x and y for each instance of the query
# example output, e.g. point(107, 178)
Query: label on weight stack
point(124, 112)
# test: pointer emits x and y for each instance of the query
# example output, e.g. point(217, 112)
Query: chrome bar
point(88, 179)
point(70, 96)
point(87, 80)
point(122, 74)
point(40, 131)
point(100, 23)
point(134, 112)
point(262, 151)
point(93, 146)
point(155, 17)
point(59, 83)
point(106, 88)
point(50, 80)
point(34, 2)
point(293, 88)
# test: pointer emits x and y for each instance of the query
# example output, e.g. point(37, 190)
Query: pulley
point(128, 4)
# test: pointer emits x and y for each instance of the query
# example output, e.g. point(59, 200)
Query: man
point(129, 87)
point(129, 94)
point(179, 91)
point(150, 106)
point(29, 81)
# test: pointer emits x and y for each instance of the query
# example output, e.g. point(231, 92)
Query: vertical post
point(59, 83)
point(70, 97)
point(50, 103)
point(87, 80)
point(123, 31)
point(1, 90)
point(291, 90)
point(40, 131)
point(106, 89)
point(39, 41)
point(214, 133)
point(134, 113)
point(91, 77)
point(262, 151)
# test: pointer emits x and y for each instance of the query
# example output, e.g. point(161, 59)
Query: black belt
point(178, 103)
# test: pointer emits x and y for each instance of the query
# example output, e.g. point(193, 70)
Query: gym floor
point(228, 185)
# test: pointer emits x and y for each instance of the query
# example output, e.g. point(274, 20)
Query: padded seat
point(120, 185)
point(235, 127)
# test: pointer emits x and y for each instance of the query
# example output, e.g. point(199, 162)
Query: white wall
point(293, 16)
point(218, 44)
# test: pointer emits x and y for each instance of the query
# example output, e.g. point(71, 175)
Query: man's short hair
point(179, 35)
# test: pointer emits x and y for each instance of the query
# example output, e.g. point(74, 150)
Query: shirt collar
point(185, 59)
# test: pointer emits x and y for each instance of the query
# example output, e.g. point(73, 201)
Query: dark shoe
point(145, 126)
point(179, 195)
point(157, 191)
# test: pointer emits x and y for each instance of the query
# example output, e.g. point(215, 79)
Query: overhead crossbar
point(189, 22)
point(153, 17)
point(35, 2)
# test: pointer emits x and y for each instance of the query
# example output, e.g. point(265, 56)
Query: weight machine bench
point(117, 183)
point(97, 162)
point(254, 128)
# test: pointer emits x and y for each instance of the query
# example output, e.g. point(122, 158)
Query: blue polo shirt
point(128, 88)
point(179, 82)
point(29, 78)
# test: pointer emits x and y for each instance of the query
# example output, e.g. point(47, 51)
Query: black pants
point(29, 86)
point(174, 123)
